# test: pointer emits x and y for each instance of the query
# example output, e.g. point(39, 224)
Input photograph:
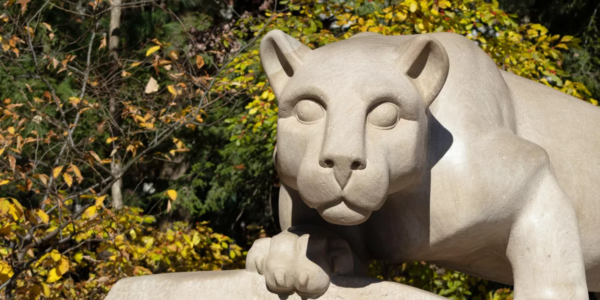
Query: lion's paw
point(300, 260)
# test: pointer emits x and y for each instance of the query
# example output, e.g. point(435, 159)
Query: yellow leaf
point(172, 90)
point(74, 100)
point(566, 38)
point(90, 212)
point(174, 55)
point(119, 239)
point(77, 173)
point(4, 206)
point(3, 182)
point(100, 200)
point(46, 290)
point(152, 50)
point(43, 216)
point(413, 7)
point(135, 64)
point(132, 149)
point(55, 255)
point(53, 276)
point(57, 171)
point(111, 139)
point(152, 86)
point(78, 257)
point(5, 269)
point(11, 130)
point(68, 179)
point(444, 3)
point(563, 46)
point(172, 194)
point(63, 267)
point(594, 101)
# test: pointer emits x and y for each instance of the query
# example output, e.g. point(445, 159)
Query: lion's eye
point(385, 115)
point(308, 111)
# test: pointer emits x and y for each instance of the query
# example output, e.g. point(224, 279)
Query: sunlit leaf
point(43, 216)
point(152, 50)
point(100, 200)
point(90, 211)
point(77, 173)
point(151, 86)
point(45, 289)
point(172, 194)
point(53, 276)
point(172, 90)
point(63, 266)
point(68, 179)
point(55, 255)
point(56, 171)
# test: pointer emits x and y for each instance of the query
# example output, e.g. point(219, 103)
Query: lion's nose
point(343, 167)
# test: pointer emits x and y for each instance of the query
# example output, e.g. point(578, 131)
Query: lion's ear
point(281, 56)
point(425, 61)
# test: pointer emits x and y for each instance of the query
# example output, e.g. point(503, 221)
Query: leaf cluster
point(98, 248)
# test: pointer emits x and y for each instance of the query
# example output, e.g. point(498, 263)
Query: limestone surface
point(243, 285)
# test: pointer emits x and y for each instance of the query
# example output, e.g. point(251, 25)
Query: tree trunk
point(113, 44)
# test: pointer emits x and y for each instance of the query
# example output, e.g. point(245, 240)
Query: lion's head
point(352, 123)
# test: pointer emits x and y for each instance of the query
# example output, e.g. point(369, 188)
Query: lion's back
point(566, 128)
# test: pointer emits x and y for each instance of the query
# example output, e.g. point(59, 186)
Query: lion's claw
point(300, 260)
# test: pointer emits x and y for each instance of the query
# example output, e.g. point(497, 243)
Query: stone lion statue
point(404, 148)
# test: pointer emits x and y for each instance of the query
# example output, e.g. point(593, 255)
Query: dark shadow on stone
point(440, 141)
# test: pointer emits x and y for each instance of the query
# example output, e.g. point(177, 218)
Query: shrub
point(92, 251)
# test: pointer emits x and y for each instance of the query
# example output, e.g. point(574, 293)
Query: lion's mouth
point(341, 212)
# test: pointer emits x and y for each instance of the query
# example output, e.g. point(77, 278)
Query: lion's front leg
point(544, 247)
point(300, 259)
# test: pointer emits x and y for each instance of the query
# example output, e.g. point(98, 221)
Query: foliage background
point(215, 168)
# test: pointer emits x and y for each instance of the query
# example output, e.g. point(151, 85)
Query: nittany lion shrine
point(415, 148)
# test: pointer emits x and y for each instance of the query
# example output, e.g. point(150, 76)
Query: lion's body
point(456, 233)
point(565, 131)
point(484, 172)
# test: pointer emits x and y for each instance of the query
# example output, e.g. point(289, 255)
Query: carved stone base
point(241, 285)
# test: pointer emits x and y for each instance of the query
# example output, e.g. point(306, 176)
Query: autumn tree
point(78, 115)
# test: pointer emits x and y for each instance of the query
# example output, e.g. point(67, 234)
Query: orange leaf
point(199, 61)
